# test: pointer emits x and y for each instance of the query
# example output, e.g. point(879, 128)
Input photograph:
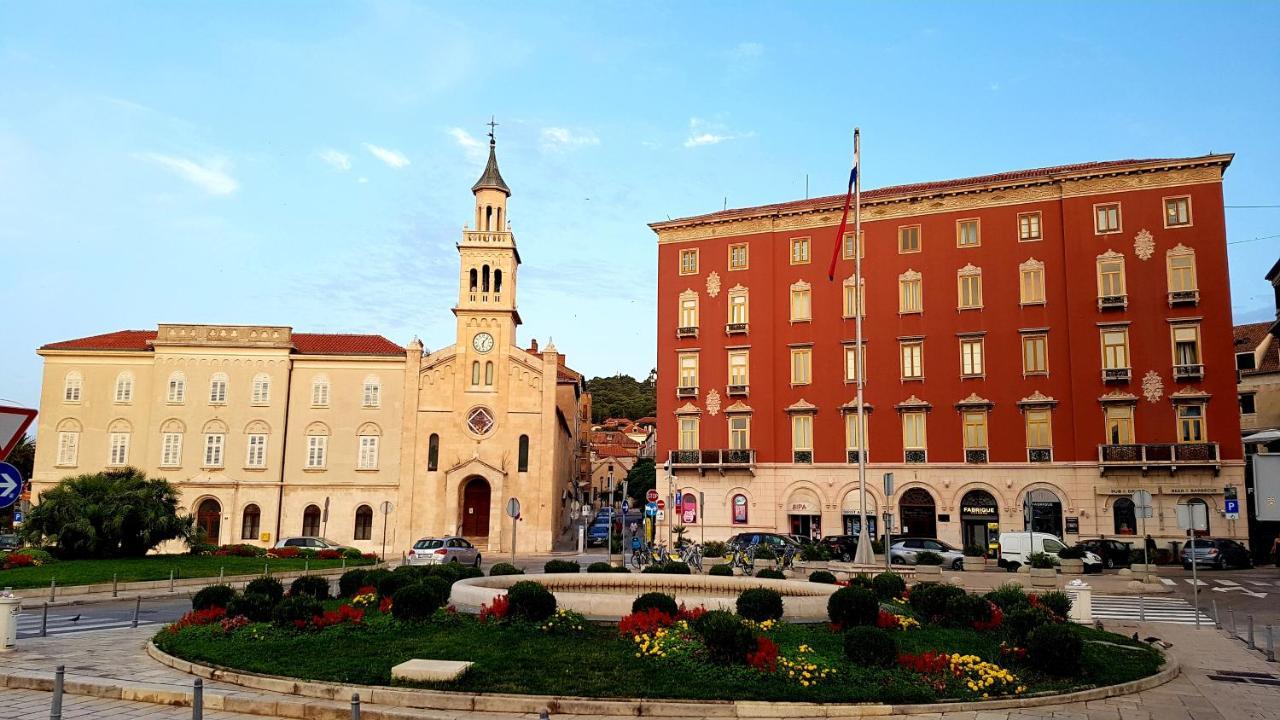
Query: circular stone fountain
point(608, 596)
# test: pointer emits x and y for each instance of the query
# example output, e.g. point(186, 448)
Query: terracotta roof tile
point(1249, 337)
point(303, 343)
point(614, 451)
point(119, 340)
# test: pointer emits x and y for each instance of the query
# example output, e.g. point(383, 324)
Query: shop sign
point(977, 510)
point(1117, 491)
point(1072, 525)
point(1192, 491)
point(740, 509)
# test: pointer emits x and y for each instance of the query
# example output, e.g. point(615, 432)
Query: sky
point(309, 164)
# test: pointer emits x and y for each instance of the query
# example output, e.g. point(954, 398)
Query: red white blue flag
point(844, 216)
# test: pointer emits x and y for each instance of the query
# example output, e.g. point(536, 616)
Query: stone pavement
point(118, 655)
point(33, 704)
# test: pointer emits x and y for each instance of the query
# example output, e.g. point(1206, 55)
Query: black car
point(775, 540)
point(1114, 553)
point(1217, 553)
point(841, 547)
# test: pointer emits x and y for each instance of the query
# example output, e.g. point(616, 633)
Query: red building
point(1038, 344)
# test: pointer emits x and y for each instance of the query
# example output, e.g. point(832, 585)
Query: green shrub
point(1022, 620)
point(850, 606)
point(1055, 649)
point(964, 609)
point(974, 551)
point(307, 554)
point(599, 567)
point(928, 557)
point(765, 552)
point(870, 647)
point(1008, 597)
point(212, 596)
point(268, 586)
point(760, 604)
point(888, 586)
point(862, 580)
point(393, 581)
point(930, 600)
point(721, 570)
point(727, 640)
point(714, 549)
point(316, 587)
point(351, 581)
point(1042, 561)
point(451, 572)
point(255, 606)
point(41, 557)
point(561, 566)
point(1056, 602)
point(530, 601)
point(416, 602)
point(673, 567)
point(352, 554)
point(376, 576)
point(814, 553)
point(661, 601)
point(504, 569)
point(1075, 552)
point(822, 576)
point(877, 546)
point(770, 574)
point(296, 608)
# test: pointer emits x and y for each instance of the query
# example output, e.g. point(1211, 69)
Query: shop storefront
point(919, 514)
point(1042, 512)
point(804, 513)
point(978, 511)
point(850, 514)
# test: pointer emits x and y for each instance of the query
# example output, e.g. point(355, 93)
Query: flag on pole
point(844, 217)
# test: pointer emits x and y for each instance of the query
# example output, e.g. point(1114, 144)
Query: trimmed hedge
point(504, 569)
point(930, 600)
point(850, 606)
point(660, 601)
point(417, 601)
point(351, 581)
point(721, 570)
point(1055, 649)
point(297, 608)
point(673, 567)
point(268, 586)
point(760, 604)
point(822, 576)
point(561, 566)
point(528, 600)
point(770, 574)
point(316, 587)
point(255, 606)
point(888, 586)
point(728, 641)
point(1021, 621)
point(213, 596)
point(1008, 596)
point(871, 647)
point(600, 567)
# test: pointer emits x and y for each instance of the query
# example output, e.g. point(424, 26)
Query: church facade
point(269, 433)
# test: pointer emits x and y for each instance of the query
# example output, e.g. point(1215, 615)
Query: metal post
point(197, 700)
point(44, 620)
point(1217, 619)
point(1142, 607)
point(1234, 633)
point(53, 589)
point(513, 540)
point(114, 588)
point(543, 715)
point(170, 579)
point(344, 562)
point(1251, 645)
point(266, 570)
point(1271, 645)
point(137, 608)
point(220, 569)
point(55, 708)
point(1195, 579)
point(306, 566)
point(355, 706)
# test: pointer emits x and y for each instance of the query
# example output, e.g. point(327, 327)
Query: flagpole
point(864, 554)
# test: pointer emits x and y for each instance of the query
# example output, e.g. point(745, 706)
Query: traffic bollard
point(1234, 633)
point(1251, 645)
point(306, 566)
point(1271, 645)
point(137, 607)
point(543, 715)
point(220, 569)
point(170, 580)
point(1217, 619)
point(55, 708)
point(115, 592)
point(266, 570)
point(53, 589)
point(344, 562)
point(355, 706)
point(44, 621)
point(197, 700)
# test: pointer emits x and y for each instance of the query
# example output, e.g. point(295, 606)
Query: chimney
point(533, 346)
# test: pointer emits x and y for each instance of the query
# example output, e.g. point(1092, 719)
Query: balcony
point(714, 460)
point(1113, 302)
point(1184, 297)
point(1169, 457)
point(477, 296)
point(687, 332)
point(1188, 372)
point(687, 392)
point(1040, 455)
point(802, 457)
point(915, 457)
point(975, 456)
point(735, 328)
point(854, 455)
point(736, 390)
point(1116, 374)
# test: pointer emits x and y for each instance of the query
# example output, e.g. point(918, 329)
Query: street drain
point(1250, 678)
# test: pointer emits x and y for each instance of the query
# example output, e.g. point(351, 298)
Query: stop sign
point(662, 504)
point(651, 496)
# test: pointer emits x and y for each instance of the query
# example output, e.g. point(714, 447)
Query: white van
point(1016, 546)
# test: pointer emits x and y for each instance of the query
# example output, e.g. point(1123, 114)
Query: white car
point(1016, 546)
point(309, 542)
point(437, 551)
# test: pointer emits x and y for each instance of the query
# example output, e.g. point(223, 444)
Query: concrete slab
point(418, 670)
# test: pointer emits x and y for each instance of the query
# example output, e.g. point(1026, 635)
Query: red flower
point(765, 657)
point(495, 612)
point(835, 627)
point(644, 622)
point(997, 618)
point(925, 663)
point(886, 620)
point(198, 617)
point(690, 615)
point(287, 552)
point(15, 560)
point(384, 607)
point(328, 555)
point(367, 590)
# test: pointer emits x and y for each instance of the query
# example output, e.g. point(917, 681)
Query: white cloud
point(362, 180)
point(555, 138)
point(702, 132)
point(338, 160)
point(212, 177)
point(473, 147)
point(393, 158)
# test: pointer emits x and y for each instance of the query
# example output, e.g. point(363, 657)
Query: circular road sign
point(386, 507)
point(651, 496)
point(513, 508)
point(662, 504)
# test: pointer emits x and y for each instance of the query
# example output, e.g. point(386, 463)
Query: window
point(1029, 227)
point(912, 360)
point(852, 363)
point(738, 306)
point(177, 388)
point(913, 430)
point(320, 392)
point(372, 392)
point(1186, 345)
point(218, 389)
point(1115, 348)
point(1177, 211)
point(847, 247)
point(124, 388)
point(1035, 354)
point(689, 262)
point(171, 449)
point(1119, 419)
point(800, 307)
point(1031, 287)
point(256, 455)
point(488, 373)
point(909, 239)
point(801, 366)
point(802, 433)
point(1182, 269)
point(1126, 517)
point(739, 368)
point(72, 386)
point(261, 390)
point(688, 433)
point(738, 256)
point(250, 522)
point(1190, 423)
point(975, 429)
point(433, 453)
point(969, 287)
point(852, 436)
point(967, 234)
point(213, 444)
point(119, 448)
point(368, 458)
point(1247, 406)
point(311, 521)
point(1111, 275)
point(971, 357)
point(475, 372)
point(739, 432)
point(854, 298)
point(909, 292)
point(316, 447)
point(1039, 428)
point(68, 448)
point(688, 310)
point(522, 454)
point(1106, 218)
point(799, 251)
point(364, 523)
point(688, 370)
point(739, 509)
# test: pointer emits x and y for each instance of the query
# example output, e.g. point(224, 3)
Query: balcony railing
point(1116, 374)
point(687, 392)
point(484, 297)
point(804, 457)
point(1184, 297)
point(1039, 455)
point(735, 328)
point(486, 237)
point(915, 456)
point(1113, 302)
point(722, 460)
point(687, 332)
point(736, 390)
point(1188, 372)
point(975, 455)
point(1159, 456)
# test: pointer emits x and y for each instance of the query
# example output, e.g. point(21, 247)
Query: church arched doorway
point(475, 508)
point(919, 514)
point(209, 519)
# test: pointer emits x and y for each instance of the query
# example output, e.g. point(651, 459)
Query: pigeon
point(75, 619)
point(1097, 625)
point(1135, 636)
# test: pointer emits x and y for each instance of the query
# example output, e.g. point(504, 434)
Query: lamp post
point(864, 554)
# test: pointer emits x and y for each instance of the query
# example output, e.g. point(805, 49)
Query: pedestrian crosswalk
point(1154, 609)
point(29, 624)
point(1223, 583)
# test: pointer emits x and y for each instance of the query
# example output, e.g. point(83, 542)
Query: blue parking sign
point(1232, 508)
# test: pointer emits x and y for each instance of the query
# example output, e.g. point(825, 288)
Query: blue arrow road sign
point(10, 484)
point(625, 507)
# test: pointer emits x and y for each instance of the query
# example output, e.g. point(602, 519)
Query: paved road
point(71, 619)
point(1248, 592)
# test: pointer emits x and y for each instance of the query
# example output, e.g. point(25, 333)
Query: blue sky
point(309, 164)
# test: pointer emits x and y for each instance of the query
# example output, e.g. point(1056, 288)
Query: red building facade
point(1037, 345)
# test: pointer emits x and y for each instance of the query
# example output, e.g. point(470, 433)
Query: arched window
point(738, 509)
point(497, 281)
point(488, 373)
point(372, 392)
point(1205, 510)
point(311, 521)
point(261, 389)
point(177, 388)
point(72, 386)
point(124, 387)
point(484, 279)
point(475, 372)
point(433, 452)
point(317, 446)
point(250, 523)
point(68, 443)
point(367, 443)
point(320, 391)
point(1126, 520)
point(474, 285)
point(523, 461)
point(364, 522)
point(218, 389)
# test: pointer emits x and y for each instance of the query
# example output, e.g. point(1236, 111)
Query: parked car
point(438, 551)
point(904, 551)
point(1113, 553)
point(1016, 546)
point(775, 540)
point(9, 543)
point(1218, 553)
point(841, 547)
point(598, 533)
point(309, 542)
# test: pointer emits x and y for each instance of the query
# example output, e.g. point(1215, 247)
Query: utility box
point(10, 606)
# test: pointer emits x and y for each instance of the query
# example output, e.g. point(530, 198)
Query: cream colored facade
point(270, 433)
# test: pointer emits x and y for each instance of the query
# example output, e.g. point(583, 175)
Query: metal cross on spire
point(492, 124)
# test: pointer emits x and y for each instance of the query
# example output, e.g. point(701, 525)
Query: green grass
point(152, 567)
point(597, 663)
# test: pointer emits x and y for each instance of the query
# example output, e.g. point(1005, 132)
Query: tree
point(23, 457)
point(622, 396)
point(642, 478)
point(113, 513)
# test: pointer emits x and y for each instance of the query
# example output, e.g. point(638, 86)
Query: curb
point(403, 701)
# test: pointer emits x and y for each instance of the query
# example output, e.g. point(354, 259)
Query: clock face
point(482, 342)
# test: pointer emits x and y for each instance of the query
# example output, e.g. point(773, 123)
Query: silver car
point(904, 551)
point(437, 551)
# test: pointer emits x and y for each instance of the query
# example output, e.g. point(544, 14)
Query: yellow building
point(269, 433)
